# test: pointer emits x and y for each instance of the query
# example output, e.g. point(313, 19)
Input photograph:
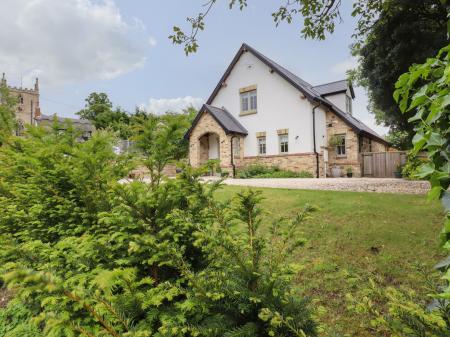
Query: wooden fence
point(381, 164)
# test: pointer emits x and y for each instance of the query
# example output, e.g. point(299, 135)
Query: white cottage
point(261, 112)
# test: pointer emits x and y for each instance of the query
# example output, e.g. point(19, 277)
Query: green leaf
point(434, 193)
point(419, 98)
point(402, 80)
point(435, 139)
point(426, 170)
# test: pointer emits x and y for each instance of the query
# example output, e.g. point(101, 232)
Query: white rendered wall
point(321, 129)
point(280, 106)
point(338, 100)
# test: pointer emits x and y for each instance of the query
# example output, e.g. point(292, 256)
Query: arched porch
point(209, 147)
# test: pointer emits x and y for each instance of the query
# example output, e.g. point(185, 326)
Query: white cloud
point(67, 41)
point(162, 105)
point(152, 41)
point(342, 67)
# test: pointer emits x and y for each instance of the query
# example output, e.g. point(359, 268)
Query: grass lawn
point(355, 236)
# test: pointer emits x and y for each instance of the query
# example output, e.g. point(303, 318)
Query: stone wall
point(336, 126)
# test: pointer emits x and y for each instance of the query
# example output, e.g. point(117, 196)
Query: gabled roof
point(334, 88)
point(226, 120)
point(304, 87)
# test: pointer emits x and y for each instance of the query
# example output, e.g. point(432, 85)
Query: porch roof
point(225, 119)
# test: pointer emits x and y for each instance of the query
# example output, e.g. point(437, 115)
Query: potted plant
point(336, 171)
point(333, 142)
point(349, 172)
point(398, 171)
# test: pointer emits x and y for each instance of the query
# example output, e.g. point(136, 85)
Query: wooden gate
point(381, 164)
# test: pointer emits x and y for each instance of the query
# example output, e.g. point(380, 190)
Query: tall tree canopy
point(99, 110)
point(405, 33)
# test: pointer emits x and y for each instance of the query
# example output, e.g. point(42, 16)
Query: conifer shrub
point(88, 256)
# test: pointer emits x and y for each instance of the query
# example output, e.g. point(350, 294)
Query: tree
point(7, 114)
point(160, 140)
point(405, 33)
point(99, 110)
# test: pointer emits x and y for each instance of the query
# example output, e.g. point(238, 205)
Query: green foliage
point(7, 114)
point(87, 256)
point(15, 321)
point(405, 314)
point(99, 110)
point(413, 163)
point(160, 140)
point(246, 284)
point(263, 171)
point(399, 140)
point(425, 90)
point(405, 32)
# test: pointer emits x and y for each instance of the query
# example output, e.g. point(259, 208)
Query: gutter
point(314, 137)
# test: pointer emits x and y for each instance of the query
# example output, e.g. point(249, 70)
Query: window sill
point(248, 112)
point(341, 156)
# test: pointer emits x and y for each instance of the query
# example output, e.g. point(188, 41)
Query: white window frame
point(340, 149)
point(251, 101)
point(283, 143)
point(262, 144)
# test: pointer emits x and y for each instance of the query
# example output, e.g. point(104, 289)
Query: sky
point(121, 47)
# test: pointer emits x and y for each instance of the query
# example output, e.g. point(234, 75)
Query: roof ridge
point(319, 85)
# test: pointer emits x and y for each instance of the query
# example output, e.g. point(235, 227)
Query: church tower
point(27, 108)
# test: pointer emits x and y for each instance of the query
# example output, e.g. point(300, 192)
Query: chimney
point(36, 85)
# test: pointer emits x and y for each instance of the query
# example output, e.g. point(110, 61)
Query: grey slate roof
point(225, 119)
point(82, 124)
point(307, 89)
point(334, 88)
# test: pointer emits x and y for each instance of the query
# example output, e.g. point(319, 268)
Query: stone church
point(28, 111)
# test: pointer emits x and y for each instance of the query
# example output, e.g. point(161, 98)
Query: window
point(20, 99)
point(249, 101)
point(348, 104)
point(284, 143)
point(236, 147)
point(340, 145)
point(261, 145)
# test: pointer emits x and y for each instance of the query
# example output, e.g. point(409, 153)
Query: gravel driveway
point(379, 185)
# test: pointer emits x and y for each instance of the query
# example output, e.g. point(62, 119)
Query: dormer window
point(348, 104)
point(248, 99)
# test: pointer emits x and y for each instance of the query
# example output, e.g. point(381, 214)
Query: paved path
point(380, 185)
